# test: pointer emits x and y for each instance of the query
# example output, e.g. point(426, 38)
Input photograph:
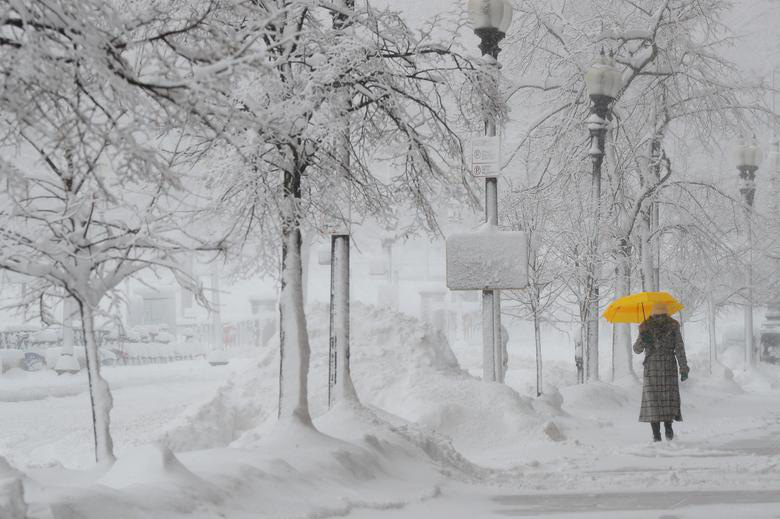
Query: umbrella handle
point(644, 317)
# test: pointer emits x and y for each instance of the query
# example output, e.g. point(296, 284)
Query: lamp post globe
point(490, 20)
point(749, 156)
point(603, 81)
point(749, 153)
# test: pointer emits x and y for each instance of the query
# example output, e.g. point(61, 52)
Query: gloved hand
point(683, 376)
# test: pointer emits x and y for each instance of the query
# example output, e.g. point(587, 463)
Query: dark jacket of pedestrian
point(661, 341)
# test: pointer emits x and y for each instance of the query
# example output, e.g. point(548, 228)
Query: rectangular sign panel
point(485, 156)
point(487, 260)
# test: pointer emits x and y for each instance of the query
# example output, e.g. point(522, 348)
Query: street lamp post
point(604, 82)
point(491, 19)
point(748, 160)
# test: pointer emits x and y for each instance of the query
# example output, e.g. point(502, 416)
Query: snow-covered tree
point(539, 301)
point(89, 193)
point(65, 227)
point(299, 88)
point(678, 91)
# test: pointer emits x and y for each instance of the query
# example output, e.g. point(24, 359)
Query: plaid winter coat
point(661, 340)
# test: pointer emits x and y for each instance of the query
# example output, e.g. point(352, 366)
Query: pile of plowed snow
point(399, 365)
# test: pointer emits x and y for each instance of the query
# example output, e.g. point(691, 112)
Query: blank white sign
point(487, 260)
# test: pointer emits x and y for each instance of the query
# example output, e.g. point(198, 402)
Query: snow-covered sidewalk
point(45, 419)
point(716, 467)
point(201, 442)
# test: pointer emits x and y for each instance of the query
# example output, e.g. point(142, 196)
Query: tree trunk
point(307, 240)
point(538, 342)
point(293, 335)
point(646, 251)
point(99, 392)
point(713, 350)
point(656, 244)
point(622, 353)
point(217, 330)
point(649, 249)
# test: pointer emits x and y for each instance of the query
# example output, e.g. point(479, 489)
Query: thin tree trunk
point(538, 341)
point(713, 351)
point(646, 252)
point(649, 250)
point(217, 330)
point(654, 239)
point(656, 244)
point(307, 240)
point(99, 392)
point(621, 338)
point(293, 335)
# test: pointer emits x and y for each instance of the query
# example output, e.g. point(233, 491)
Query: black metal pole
point(747, 175)
point(597, 126)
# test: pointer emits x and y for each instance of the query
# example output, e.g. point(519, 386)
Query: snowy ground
point(576, 452)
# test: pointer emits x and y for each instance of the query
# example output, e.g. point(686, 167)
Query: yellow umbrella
point(638, 307)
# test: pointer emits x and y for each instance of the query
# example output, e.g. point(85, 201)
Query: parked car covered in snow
point(33, 361)
point(769, 344)
point(11, 358)
point(769, 337)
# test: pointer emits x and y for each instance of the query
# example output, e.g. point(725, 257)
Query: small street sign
point(485, 156)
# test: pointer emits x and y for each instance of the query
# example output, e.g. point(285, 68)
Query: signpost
point(488, 260)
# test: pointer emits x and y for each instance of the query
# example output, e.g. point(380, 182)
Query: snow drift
point(399, 365)
point(12, 504)
point(155, 467)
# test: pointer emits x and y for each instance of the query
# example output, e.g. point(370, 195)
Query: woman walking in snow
point(661, 340)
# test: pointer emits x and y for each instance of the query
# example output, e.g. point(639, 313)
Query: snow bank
point(399, 365)
point(10, 359)
point(600, 400)
point(163, 350)
point(6, 470)
point(18, 385)
point(406, 368)
point(386, 432)
point(12, 504)
point(136, 353)
point(156, 467)
point(241, 404)
point(295, 471)
point(722, 380)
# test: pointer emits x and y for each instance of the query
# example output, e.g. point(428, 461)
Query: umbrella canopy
point(638, 307)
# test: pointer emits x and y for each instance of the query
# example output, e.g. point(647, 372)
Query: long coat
point(661, 340)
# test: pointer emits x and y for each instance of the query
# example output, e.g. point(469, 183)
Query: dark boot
point(668, 430)
point(656, 431)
